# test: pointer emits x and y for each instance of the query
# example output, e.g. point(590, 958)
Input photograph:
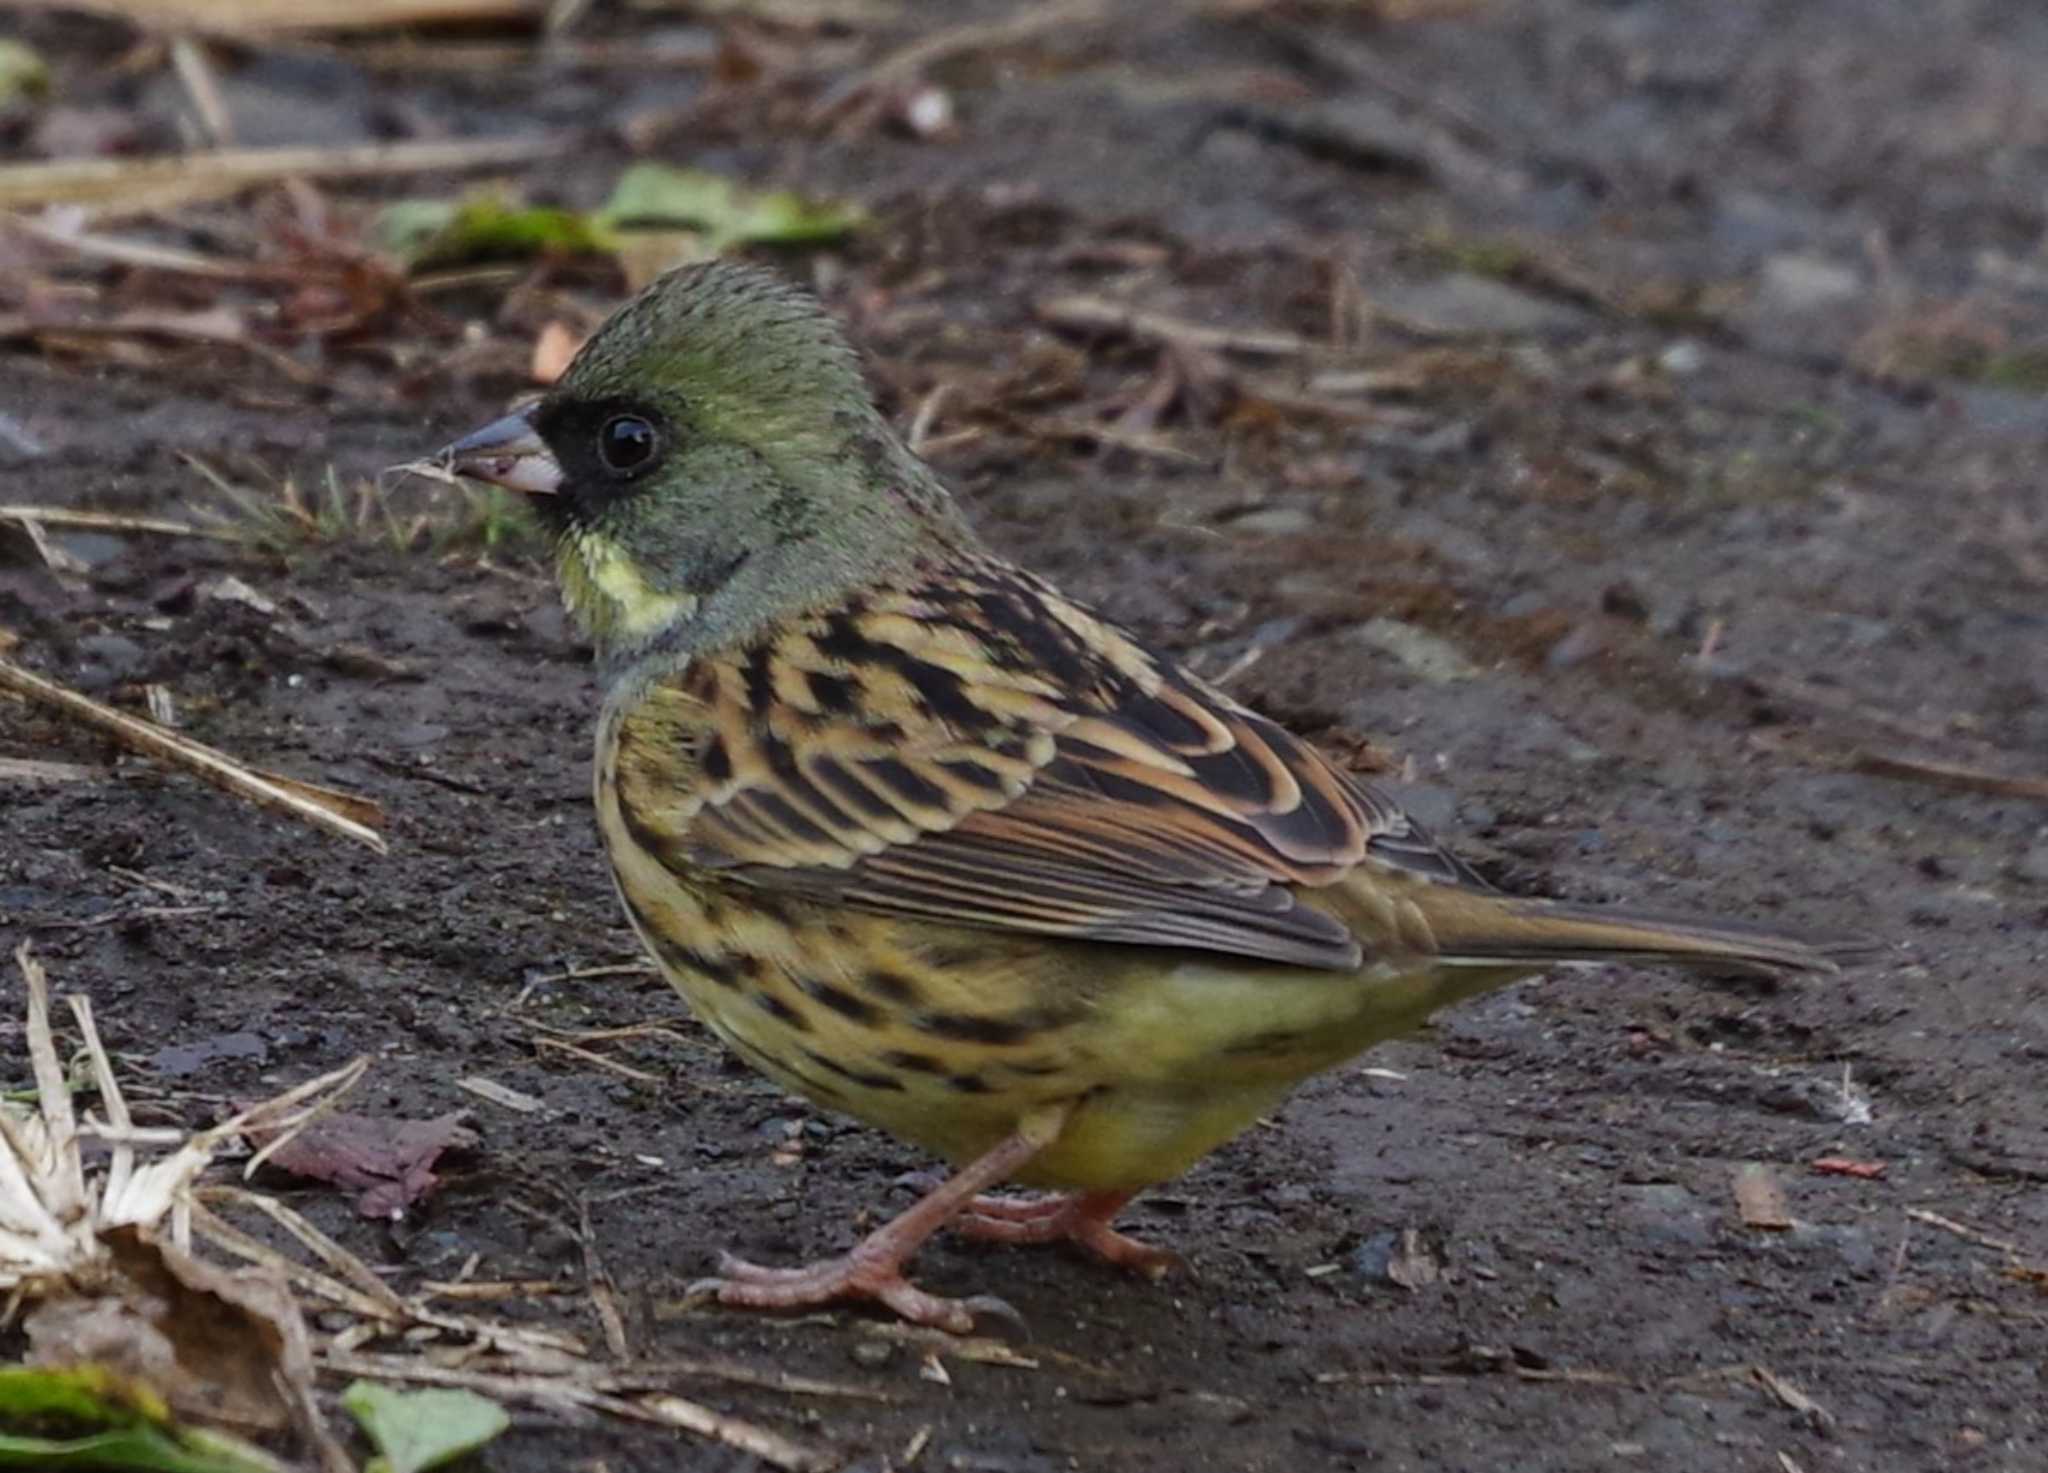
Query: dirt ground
point(1678, 534)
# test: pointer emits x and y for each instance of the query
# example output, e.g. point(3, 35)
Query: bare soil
point(1706, 481)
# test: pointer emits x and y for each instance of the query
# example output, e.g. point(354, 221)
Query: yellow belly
point(948, 1036)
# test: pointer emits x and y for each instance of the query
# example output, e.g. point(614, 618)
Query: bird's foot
point(855, 1275)
point(874, 1268)
point(1081, 1218)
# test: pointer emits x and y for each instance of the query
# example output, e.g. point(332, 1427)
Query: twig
point(1576, 1376)
point(591, 1056)
point(138, 186)
point(243, 19)
point(903, 64)
point(1957, 776)
point(1100, 314)
point(1787, 1395)
point(320, 807)
point(1831, 702)
point(1966, 1233)
point(576, 974)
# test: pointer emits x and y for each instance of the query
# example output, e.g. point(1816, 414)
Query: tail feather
point(1489, 930)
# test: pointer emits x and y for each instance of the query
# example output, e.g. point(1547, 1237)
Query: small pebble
point(1683, 358)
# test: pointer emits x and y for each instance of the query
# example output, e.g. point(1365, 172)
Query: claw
point(988, 1306)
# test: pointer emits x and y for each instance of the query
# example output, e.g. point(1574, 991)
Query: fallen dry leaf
point(552, 350)
point(92, 1255)
point(1414, 1263)
point(1844, 1166)
point(389, 1162)
point(218, 1345)
point(1760, 1199)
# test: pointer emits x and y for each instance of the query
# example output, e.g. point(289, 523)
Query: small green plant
point(394, 511)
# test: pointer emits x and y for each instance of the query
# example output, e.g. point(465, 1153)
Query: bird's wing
point(972, 747)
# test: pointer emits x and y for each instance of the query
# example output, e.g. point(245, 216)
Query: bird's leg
point(1081, 1218)
point(873, 1269)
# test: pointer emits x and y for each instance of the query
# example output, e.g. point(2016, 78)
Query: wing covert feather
point(972, 747)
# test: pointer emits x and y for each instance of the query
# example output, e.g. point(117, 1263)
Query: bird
point(933, 845)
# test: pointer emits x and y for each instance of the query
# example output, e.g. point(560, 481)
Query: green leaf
point(653, 205)
point(24, 76)
point(92, 1418)
point(417, 1430)
point(659, 196)
point(427, 232)
point(143, 1449)
point(84, 1395)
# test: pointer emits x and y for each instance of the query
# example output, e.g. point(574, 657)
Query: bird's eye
point(626, 444)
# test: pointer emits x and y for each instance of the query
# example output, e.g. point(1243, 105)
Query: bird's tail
point(1494, 930)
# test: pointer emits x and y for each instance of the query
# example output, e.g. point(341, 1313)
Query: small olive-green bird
point(928, 842)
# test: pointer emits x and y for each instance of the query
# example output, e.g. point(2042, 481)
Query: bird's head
point(710, 461)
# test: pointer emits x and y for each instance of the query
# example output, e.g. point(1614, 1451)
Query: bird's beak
point(506, 452)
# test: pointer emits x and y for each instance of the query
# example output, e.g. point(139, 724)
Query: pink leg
point(1082, 1218)
point(873, 1269)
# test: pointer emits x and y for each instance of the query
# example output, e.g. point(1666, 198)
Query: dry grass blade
point(242, 19)
point(54, 1178)
point(84, 1246)
point(1958, 777)
point(358, 1290)
point(928, 50)
point(599, 1061)
point(1963, 1230)
point(216, 325)
point(143, 254)
point(62, 565)
point(365, 811)
point(316, 806)
point(140, 186)
point(202, 90)
point(486, 1290)
point(1101, 315)
point(648, 1375)
point(34, 770)
point(102, 1284)
point(356, 1287)
point(802, 14)
point(556, 54)
point(583, 1390)
point(770, 1447)
point(108, 521)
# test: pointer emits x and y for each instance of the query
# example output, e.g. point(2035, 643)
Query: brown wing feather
point(975, 748)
